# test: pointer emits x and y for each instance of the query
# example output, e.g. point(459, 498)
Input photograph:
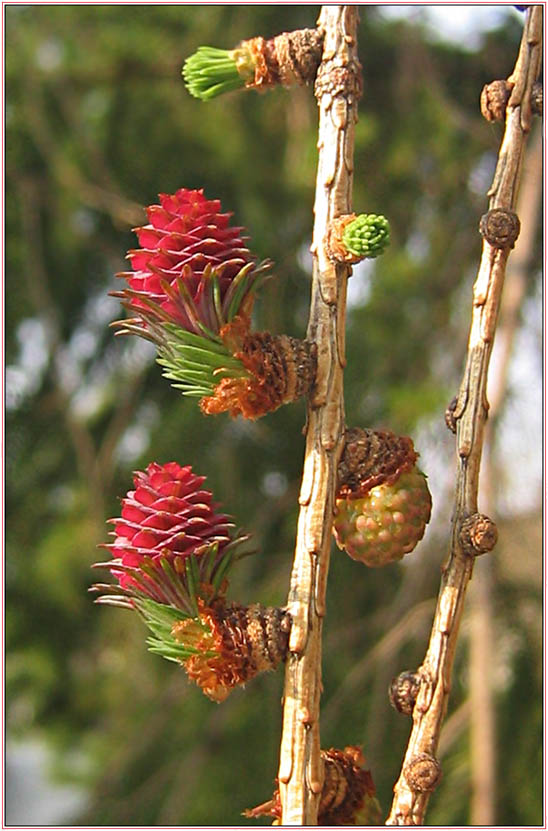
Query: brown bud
point(493, 100)
point(450, 419)
point(478, 534)
point(403, 691)
point(537, 96)
point(423, 773)
point(371, 458)
point(500, 228)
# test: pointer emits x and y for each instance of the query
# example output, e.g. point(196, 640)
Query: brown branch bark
point(420, 770)
point(482, 636)
point(337, 89)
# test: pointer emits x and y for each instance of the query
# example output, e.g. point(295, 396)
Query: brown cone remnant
point(234, 644)
point(289, 58)
point(281, 369)
point(423, 773)
point(478, 534)
point(495, 96)
point(493, 100)
point(500, 227)
point(371, 458)
point(346, 788)
point(403, 692)
point(336, 248)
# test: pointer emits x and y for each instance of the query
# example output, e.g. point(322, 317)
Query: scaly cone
point(191, 292)
point(383, 503)
point(171, 555)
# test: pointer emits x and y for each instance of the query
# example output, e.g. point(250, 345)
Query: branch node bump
point(493, 100)
point(478, 534)
point(423, 773)
point(495, 96)
point(403, 691)
point(500, 227)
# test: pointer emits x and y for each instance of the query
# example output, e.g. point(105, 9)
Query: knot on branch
point(450, 419)
point(403, 691)
point(422, 773)
point(493, 100)
point(537, 98)
point(336, 80)
point(500, 227)
point(478, 534)
point(495, 96)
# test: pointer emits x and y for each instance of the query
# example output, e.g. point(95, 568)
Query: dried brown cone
point(234, 643)
point(281, 369)
point(403, 691)
point(371, 458)
point(493, 100)
point(500, 227)
point(478, 534)
point(348, 793)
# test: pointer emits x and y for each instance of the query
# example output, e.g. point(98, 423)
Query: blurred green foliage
point(98, 122)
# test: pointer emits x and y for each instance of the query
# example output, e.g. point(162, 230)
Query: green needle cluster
point(367, 235)
point(197, 364)
point(210, 72)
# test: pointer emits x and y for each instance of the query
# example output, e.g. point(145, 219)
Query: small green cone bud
point(367, 235)
point(210, 71)
point(385, 524)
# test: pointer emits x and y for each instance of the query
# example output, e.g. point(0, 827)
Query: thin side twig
point(482, 636)
point(420, 770)
point(338, 86)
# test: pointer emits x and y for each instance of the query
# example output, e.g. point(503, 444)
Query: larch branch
point(420, 770)
point(338, 86)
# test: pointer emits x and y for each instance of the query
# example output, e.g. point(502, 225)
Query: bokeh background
point(101, 732)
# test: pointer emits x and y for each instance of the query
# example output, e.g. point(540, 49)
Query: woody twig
point(471, 533)
point(338, 86)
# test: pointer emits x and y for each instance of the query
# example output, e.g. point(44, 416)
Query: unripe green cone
point(385, 524)
point(367, 235)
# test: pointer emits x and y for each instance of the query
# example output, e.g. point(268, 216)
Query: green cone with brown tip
point(383, 503)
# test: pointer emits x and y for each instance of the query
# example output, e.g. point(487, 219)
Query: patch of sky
point(24, 377)
point(460, 24)
point(136, 438)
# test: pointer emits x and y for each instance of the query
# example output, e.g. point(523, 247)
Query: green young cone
point(385, 524)
point(367, 235)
